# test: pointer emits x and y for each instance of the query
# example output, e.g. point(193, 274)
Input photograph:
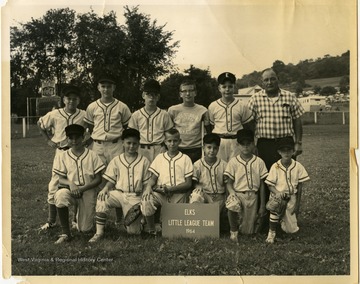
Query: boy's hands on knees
point(75, 190)
point(103, 194)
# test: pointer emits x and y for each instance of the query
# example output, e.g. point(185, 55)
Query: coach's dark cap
point(71, 89)
point(152, 86)
point(130, 132)
point(244, 135)
point(74, 129)
point(106, 78)
point(286, 142)
point(226, 76)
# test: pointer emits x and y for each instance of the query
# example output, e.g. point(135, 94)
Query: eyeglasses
point(187, 91)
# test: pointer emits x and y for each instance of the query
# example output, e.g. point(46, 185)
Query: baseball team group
point(239, 156)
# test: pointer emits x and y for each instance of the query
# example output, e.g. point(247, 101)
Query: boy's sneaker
point(271, 237)
point(47, 226)
point(234, 236)
point(96, 238)
point(62, 239)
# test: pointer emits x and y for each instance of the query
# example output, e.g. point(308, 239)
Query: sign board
point(195, 220)
point(46, 104)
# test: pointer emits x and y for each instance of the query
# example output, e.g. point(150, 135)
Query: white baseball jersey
point(151, 126)
point(287, 179)
point(58, 119)
point(210, 177)
point(228, 119)
point(80, 170)
point(171, 171)
point(188, 121)
point(108, 119)
point(246, 175)
point(129, 177)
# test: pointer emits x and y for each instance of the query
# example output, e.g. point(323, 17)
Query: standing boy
point(126, 177)
point(188, 118)
point(79, 170)
point(106, 118)
point(208, 175)
point(246, 173)
point(285, 181)
point(170, 180)
point(228, 115)
point(151, 122)
point(56, 120)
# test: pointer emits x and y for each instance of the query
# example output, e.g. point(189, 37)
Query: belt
point(110, 141)
point(137, 193)
point(148, 146)
point(273, 139)
point(247, 191)
point(224, 136)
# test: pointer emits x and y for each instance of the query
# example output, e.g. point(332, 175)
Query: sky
point(238, 36)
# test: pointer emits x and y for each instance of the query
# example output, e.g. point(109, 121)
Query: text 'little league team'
point(152, 156)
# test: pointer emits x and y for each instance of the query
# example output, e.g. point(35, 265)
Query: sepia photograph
point(183, 141)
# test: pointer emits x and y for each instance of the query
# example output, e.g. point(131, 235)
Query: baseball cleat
point(234, 236)
point(271, 237)
point(96, 238)
point(62, 239)
point(47, 226)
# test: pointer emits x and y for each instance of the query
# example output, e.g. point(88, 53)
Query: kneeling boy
point(126, 176)
point(170, 180)
point(79, 170)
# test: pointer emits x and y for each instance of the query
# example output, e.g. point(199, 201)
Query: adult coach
point(277, 114)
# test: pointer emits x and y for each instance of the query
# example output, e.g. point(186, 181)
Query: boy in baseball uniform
point(106, 119)
point(56, 120)
point(126, 177)
point(246, 173)
point(170, 180)
point(188, 118)
point(228, 115)
point(79, 170)
point(208, 176)
point(151, 122)
point(285, 180)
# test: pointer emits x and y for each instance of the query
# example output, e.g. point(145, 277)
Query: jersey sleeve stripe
point(269, 182)
point(59, 172)
point(229, 175)
point(88, 121)
point(154, 172)
point(99, 169)
point(109, 179)
point(189, 174)
point(264, 175)
point(304, 179)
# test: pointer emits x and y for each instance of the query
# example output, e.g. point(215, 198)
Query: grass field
point(323, 82)
point(321, 247)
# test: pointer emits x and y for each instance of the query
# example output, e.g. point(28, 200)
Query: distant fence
point(25, 127)
point(326, 117)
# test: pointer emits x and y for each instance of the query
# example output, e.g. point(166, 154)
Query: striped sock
point(100, 219)
point(274, 221)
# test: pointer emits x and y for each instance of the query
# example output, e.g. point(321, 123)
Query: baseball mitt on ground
point(133, 213)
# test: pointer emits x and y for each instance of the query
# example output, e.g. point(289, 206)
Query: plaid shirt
point(274, 119)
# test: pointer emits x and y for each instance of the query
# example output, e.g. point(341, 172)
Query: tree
point(317, 89)
point(40, 49)
point(344, 84)
point(77, 48)
point(205, 85)
point(328, 90)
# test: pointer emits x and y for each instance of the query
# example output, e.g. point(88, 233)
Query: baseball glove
point(133, 213)
point(277, 204)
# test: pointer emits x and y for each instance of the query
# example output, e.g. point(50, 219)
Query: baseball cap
point(245, 135)
point(226, 76)
point(74, 129)
point(286, 142)
point(152, 86)
point(71, 89)
point(130, 132)
point(106, 78)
